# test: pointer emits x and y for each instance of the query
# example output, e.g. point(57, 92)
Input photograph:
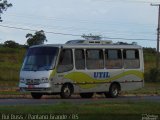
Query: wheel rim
point(115, 91)
point(67, 91)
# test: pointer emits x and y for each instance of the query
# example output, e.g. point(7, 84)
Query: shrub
point(11, 44)
point(153, 75)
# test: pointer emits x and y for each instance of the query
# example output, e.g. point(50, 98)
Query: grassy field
point(10, 64)
point(148, 89)
point(149, 61)
point(91, 111)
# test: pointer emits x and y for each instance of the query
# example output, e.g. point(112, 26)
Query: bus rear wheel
point(86, 95)
point(66, 91)
point(114, 90)
point(36, 95)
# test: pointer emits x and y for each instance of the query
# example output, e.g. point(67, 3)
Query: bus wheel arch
point(67, 90)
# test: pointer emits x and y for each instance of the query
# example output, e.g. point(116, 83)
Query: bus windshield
point(40, 59)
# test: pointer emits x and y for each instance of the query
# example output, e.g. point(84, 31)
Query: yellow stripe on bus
point(82, 78)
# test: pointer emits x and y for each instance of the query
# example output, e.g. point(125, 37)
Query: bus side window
point(113, 59)
point(94, 59)
point(131, 59)
point(65, 61)
point(79, 59)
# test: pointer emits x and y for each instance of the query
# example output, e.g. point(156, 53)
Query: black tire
point(86, 95)
point(114, 90)
point(36, 95)
point(66, 91)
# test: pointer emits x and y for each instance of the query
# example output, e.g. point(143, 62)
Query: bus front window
point(40, 59)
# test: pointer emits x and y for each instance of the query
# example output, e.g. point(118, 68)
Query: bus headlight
point(22, 80)
point(44, 80)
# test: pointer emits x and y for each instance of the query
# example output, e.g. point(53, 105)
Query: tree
point(149, 50)
point(91, 36)
point(38, 38)
point(11, 44)
point(3, 7)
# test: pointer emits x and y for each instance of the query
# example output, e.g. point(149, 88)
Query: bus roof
point(92, 44)
point(114, 46)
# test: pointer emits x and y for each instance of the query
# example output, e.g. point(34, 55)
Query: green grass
point(92, 111)
point(10, 63)
point(10, 93)
point(9, 83)
point(149, 89)
point(149, 61)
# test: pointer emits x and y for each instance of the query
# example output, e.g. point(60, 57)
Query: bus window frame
point(125, 58)
point(59, 57)
point(101, 49)
point(106, 57)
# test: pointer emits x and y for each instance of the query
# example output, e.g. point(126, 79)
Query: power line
point(81, 29)
point(59, 33)
point(26, 29)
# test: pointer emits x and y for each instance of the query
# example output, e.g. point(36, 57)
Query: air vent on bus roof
point(89, 42)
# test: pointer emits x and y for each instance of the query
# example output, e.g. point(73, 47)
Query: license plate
point(30, 86)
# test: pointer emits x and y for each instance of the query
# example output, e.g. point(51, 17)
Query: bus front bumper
point(42, 88)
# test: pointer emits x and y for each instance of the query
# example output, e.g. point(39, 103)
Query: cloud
point(107, 17)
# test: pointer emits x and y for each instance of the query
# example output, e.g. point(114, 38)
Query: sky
point(63, 20)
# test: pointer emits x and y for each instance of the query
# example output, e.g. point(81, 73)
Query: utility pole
point(158, 36)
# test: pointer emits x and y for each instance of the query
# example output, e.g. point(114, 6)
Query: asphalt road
point(75, 100)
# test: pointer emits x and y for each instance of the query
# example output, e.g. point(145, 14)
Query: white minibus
point(82, 67)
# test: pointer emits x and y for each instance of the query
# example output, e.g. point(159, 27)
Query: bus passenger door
point(65, 65)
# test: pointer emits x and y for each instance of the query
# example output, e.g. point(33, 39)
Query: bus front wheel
point(36, 95)
point(66, 91)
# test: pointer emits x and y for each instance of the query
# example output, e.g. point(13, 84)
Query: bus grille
point(32, 81)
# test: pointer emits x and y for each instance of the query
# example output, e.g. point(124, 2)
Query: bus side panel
point(100, 88)
point(131, 86)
